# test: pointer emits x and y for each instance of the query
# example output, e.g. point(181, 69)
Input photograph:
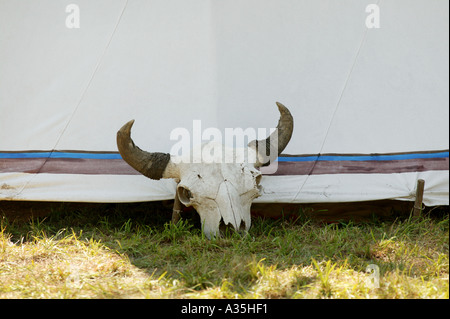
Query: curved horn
point(267, 150)
point(153, 165)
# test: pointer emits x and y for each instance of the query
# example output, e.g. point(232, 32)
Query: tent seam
point(336, 108)
point(79, 101)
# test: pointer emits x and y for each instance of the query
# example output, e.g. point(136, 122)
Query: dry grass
point(114, 256)
point(66, 268)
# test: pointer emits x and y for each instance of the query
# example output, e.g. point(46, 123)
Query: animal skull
point(218, 190)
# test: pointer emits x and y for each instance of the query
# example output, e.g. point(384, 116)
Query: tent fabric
point(370, 106)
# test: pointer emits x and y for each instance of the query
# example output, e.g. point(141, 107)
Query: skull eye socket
point(184, 195)
point(258, 178)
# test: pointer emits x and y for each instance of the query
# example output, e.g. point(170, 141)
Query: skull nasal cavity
point(184, 195)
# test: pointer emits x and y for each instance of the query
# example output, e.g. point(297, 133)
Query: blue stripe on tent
point(25, 155)
point(393, 157)
point(86, 155)
point(61, 155)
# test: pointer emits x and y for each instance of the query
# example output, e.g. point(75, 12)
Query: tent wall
point(367, 103)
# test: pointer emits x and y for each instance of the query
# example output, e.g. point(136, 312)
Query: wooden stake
point(176, 212)
point(419, 198)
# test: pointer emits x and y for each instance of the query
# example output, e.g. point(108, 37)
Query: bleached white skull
point(219, 190)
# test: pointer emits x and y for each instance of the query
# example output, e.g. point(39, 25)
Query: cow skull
point(219, 190)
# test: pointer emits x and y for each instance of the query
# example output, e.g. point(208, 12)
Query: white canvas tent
point(370, 105)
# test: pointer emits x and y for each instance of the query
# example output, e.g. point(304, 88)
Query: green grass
point(113, 251)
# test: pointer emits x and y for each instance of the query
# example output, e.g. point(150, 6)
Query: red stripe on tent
point(67, 166)
point(120, 167)
point(360, 167)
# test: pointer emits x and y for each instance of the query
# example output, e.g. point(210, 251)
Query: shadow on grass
point(143, 233)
